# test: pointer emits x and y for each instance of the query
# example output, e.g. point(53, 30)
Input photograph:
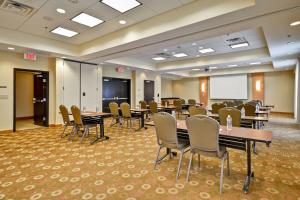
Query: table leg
point(142, 121)
point(254, 144)
point(167, 153)
point(250, 174)
point(102, 136)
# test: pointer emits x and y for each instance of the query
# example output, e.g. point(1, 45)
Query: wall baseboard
point(23, 118)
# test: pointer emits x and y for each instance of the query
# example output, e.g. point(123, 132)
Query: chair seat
point(182, 144)
point(222, 151)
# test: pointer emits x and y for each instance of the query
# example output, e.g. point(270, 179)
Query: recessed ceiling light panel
point(244, 44)
point(255, 63)
point(11, 48)
point(158, 58)
point(296, 23)
point(121, 5)
point(232, 65)
point(122, 22)
point(64, 32)
point(60, 10)
point(208, 50)
point(180, 55)
point(87, 20)
point(196, 69)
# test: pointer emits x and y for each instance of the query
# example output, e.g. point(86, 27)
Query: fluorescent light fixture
point(194, 44)
point(197, 55)
point(11, 48)
point(64, 32)
point(122, 22)
point(232, 65)
point(212, 67)
point(195, 69)
point(290, 42)
point(87, 20)
point(60, 10)
point(296, 23)
point(121, 5)
point(208, 50)
point(244, 44)
point(180, 55)
point(166, 50)
point(158, 58)
point(255, 63)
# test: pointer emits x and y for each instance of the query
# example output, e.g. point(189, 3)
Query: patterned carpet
point(38, 164)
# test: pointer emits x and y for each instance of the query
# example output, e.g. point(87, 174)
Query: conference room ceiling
point(45, 18)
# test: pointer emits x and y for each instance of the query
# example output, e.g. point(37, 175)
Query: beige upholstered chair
point(182, 101)
point(126, 113)
point(249, 111)
point(79, 126)
point(193, 110)
point(204, 139)
point(233, 112)
point(178, 104)
point(192, 102)
point(114, 111)
point(216, 107)
point(66, 119)
point(166, 132)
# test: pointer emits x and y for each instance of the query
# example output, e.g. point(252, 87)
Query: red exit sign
point(30, 56)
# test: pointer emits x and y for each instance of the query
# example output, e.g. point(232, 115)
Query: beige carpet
point(38, 164)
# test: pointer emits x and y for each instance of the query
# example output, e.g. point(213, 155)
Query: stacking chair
point(233, 112)
point(193, 110)
point(182, 101)
point(153, 107)
point(192, 102)
point(114, 110)
point(126, 113)
point(204, 139)
point(249, 111)
point(166, 132)
point(216, 107)
point(143, 104)
point(178, 104)
point(79, 126)
point(66, 119)
point(165, 103)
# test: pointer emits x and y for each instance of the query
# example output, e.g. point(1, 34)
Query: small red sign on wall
point(30, 56)
point(120, 69)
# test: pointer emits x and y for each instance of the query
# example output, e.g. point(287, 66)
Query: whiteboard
point(229, 87)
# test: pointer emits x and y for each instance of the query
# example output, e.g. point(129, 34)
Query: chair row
point(76, 124)
point(203, 134)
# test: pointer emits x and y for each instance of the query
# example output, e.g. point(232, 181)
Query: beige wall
point(24, 94)
point(166, 88)
point(9, 61)
point(279, 90)
point(187, 88)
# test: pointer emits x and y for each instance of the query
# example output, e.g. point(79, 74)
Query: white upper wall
point(166, 88)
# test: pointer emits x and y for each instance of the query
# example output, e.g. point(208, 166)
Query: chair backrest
point(114, 109)
point(203, 133)
point(166, 129)
point(233, 112)
point(192, 102)
point(178, 104)
point(230, 104)
point(193, 110)
point(249, 109)
point(182, 101)
point(64, 113)
point(216, 107)
point(239, 107)
point(153, 107)
point(165, 103)
point(125, 109)
point(143, 104)
point(76, 115)
point(252, 103)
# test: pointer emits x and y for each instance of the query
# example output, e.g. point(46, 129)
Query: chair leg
point(228, 168)
point(179, 164)
point(83, 135)
point(74, 132)
point(63, 133)
point(156, 161)
point(221, 176)
point(189, 167)
point(198, 160)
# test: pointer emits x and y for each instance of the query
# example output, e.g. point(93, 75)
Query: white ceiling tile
point(160, 6)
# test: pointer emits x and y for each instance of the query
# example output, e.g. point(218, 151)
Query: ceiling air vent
point(165, 55)
point(236, 40)
point(16, 7)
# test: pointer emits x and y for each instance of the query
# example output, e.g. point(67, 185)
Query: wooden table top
point(167, 107)
point(139, 110)
point(238, 132)
point(95, 114)
point(252, 118)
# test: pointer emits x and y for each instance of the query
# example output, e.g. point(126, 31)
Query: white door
point(71, 84)
point(89, 87)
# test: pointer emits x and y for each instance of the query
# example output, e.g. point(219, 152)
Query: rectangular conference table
point(96, 118)
point(237, 138)
point(142, 112)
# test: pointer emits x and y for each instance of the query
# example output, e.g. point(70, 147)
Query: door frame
point(15, 92)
